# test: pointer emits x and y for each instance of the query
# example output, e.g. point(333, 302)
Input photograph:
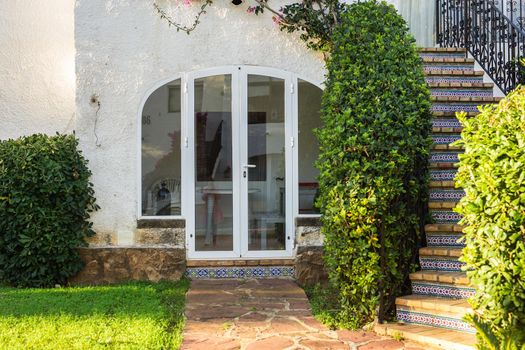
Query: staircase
point(433, 313)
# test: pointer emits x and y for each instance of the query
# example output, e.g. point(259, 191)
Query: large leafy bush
point(45, 202)
point(492, 172)
point(374, 148)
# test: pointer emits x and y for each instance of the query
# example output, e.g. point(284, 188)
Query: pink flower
point(276, 20)
point(186, 2)
point(251, 9)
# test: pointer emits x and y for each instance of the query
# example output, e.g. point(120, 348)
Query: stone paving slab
point(265, 314)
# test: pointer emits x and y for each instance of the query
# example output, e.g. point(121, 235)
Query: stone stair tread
point(443, 184)
point(440, 251)
point(434, 305)
point(453, 114)
point(442, 49)
point(436, 276)
point(446, 130)
point(444, 228)
point(445, 59)
point(489, 99)
point(449, 165)
point(460, 85)
point(437, 338)
point(441, 147)
point(447, 72)
point(442, 204)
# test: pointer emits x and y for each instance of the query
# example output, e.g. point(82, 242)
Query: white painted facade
point(119, 52)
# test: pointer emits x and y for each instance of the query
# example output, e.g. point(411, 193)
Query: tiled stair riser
point(440, 264)
point(449, 240)
point(461, 93)
point(453, 79)
point(442, 290)
point(442, 175)
point(240, 272)
point(445, 216)
point(442, 54)
point(444, 157)
point(408, 316)
point(445, 139)
point(429, 67)
point(446, 195)
point(455, 107)
point(445, 123)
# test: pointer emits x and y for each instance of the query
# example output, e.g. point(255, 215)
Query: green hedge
point(45, 202)
point(492, 172)
point(374, 148)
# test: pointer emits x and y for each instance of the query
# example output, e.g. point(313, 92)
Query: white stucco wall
point(124, 50)
point(37, 72)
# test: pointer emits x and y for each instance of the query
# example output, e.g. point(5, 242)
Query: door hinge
point(291, 88)
point(186, 142)
point(185, 88)
point(292, 142)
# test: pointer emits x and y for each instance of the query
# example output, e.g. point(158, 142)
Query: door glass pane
point(213, 164)
point(309, 118)
point(266, 152)
point(161, 166)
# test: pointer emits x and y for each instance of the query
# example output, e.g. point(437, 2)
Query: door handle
point(249, 166)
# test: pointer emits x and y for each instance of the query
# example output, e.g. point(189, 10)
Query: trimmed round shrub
point(45, 203)
point(374, 148)
point(492, 173)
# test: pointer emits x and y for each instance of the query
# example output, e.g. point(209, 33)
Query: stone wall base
point(106, 265)
point(309, 266)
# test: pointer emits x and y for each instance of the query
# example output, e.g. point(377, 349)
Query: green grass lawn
point(135, 315)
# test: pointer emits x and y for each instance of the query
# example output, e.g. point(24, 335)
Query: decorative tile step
point(444, 157)
point(445, 139)
point(246, 262)
point(458, 85)
point(445, 216)
point(445, 50)
point(446, 194)
point(448, 68)
point(445, 239)
point(452, 115)
point(453, 107)
point(444, 78)
point(440, 263)
point(482, 100)
point(444, 228)
point(433, 337)
point(461, 93)
point(457, 278)
point(427, 319)
point(442, 290)
point(434, 305)
point(448, 60)
point(444, 165)
point(445, 147)
point(440, 252)
point(442, 205)
point(240, 272)
point(457, 73)
point(446, 124)
point(441, 54)
point(442, 174)
point(446, 184)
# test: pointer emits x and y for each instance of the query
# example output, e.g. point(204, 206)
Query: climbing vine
point(315, 20)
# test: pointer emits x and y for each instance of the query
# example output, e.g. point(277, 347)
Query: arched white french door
point(238, 163)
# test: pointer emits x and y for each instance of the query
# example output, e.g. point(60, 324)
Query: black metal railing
point(493, 31)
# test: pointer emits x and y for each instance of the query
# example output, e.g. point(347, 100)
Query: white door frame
point(239, 157)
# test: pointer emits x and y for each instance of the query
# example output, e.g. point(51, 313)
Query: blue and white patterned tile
point(461, 93)
point(445, 217)
point(441, 54)
point(442, 175)
point(444, 157)
point(446, 195)
point(445, 240)
point(427, 67)
point(239, 272)
point(445, 139)
point(453, 79)
point(446, 123)
point(433, 320)
point(442, 290)
point(455, 107)
point(433, 263)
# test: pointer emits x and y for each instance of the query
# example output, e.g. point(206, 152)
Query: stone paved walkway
point(265, 314)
